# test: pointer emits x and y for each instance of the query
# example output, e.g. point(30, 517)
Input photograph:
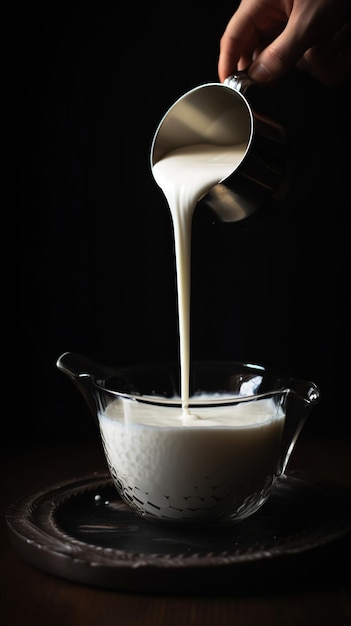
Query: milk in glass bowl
point(210, 464)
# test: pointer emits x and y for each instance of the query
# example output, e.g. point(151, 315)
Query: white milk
point(224, 460)
point(185, 175)
point(178, 463)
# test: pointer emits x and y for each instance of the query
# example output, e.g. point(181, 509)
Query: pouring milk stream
point(185, 175)
point(211, 145)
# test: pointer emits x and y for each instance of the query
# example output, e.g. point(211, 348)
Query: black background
point(95, 248)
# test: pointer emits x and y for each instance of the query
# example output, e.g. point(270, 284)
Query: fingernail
point(260, 74)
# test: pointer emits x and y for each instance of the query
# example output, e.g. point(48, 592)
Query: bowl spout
point(85, 374)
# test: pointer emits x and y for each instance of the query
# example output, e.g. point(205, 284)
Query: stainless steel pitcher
point(221, 114)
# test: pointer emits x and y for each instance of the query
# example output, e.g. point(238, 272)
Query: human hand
point(270, 37)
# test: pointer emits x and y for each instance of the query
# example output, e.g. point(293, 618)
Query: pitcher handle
point(240, 81)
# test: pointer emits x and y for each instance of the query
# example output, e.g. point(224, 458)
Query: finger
point(237, 45)
point(280, 56)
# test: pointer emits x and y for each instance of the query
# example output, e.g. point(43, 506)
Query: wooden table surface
point(30, 595)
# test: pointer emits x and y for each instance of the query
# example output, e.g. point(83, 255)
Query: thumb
point(279, 57)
